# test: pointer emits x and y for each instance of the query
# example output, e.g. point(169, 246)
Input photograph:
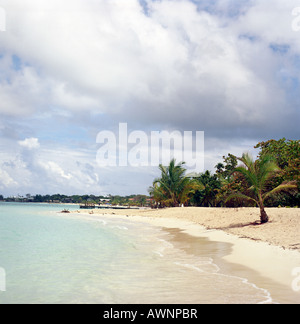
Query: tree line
point(114, 200)
point(271, 180)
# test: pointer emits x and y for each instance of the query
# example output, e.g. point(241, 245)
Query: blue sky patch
point(17, 63)
point(280, 48)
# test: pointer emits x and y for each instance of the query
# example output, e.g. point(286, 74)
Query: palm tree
point(173, 188)
point(257, 175)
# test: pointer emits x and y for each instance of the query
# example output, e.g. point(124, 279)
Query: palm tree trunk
point(264, 218)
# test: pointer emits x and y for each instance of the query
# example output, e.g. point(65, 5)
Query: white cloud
point(53, 169)
point(21, 91)
point(109, 57)
point(6, 180)
point(88, 65)
point(30, 143)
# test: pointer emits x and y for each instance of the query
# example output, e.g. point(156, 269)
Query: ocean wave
point(120, 227)
point(103, 222)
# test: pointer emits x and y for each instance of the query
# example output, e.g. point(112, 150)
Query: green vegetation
point(258, 182)
point(88, 200)
point(206, 195)
point(273, 180)
point(287, 156)
point(173, 188)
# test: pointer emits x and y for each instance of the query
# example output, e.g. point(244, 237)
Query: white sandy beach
point(272, 251)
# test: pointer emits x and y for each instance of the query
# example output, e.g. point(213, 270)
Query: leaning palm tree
point(257, 175)
point(173, 188)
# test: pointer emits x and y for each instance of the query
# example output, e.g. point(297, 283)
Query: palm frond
point(240, 197)
point(247, 160)
point(249, 176)
point(189, 189)
point(173, 185)
point(266, 168)
point(286, 186)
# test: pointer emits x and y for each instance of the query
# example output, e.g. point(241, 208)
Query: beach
point(169, 256)
point(268, 255)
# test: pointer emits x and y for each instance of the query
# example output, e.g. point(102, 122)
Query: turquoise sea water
point(49, 257)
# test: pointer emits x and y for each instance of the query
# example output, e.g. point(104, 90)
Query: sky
point(70, 69)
